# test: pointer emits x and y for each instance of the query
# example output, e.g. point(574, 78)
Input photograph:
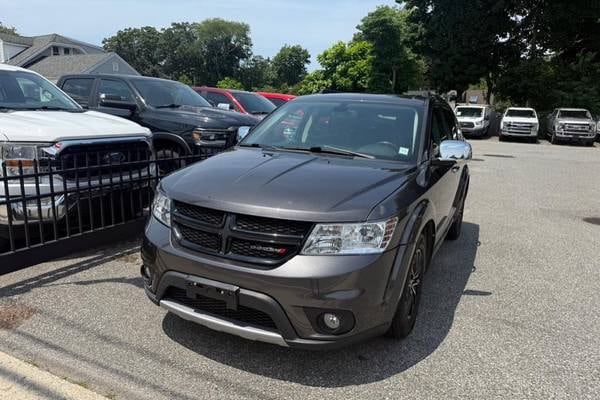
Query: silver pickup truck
point(571, 124)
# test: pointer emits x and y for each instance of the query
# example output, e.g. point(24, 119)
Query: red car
point(278, 99)
point(236, 100)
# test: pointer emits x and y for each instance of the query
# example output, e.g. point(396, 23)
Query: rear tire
point(408, 306)
point(171, 160)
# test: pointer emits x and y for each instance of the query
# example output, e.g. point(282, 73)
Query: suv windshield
point(369, 130)
point(575, 114)
point(21, 90)
point(254, 103)
point(168, 94)
point(520, 113)
point(469, 112)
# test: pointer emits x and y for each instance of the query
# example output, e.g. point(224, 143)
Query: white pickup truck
point(46, 141)
point(573, 125)
point(519, 122)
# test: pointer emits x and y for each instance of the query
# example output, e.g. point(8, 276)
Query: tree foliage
point(7, 29)
point(393, 36)
point(289, 64)
point(230, 83)
point(348, 67)
point(139, 47)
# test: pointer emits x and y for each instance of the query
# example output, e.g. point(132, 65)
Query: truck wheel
point(553, 139)
point(501, 138)
point(408, 306)
point(169, 160)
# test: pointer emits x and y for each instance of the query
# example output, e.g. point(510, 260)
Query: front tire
point(169, 160)
point(408, 306)
point(553, 139)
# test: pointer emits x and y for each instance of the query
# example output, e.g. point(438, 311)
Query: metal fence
point(50, 209)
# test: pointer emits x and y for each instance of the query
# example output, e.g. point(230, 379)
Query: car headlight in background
point(361, 238)
point(559, 127)
point(535, 127)
point(242, 132)
point(593, 127)
point(161, 207)
point(21, 155)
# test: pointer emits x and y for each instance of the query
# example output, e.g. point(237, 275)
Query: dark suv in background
point(316, 230)
point(179, 118)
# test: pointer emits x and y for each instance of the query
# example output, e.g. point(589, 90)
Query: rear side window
point(217, 98)
point(79, 89)
point(115, 90)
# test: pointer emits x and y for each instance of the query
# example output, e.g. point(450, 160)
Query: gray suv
point(316, 230)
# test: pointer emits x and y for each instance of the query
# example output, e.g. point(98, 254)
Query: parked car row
point(562, 125)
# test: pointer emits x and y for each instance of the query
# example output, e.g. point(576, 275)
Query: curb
point(22, 381)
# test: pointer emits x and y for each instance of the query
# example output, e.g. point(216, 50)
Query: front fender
point(175, 139)
point(416, 221)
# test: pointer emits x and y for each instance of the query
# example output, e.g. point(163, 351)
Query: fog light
point(331, 321)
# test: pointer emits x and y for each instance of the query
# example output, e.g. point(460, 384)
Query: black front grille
point(467, 124)
point(206, 240)
point(90, 161)
point(216, 307)
point(251, 239)
point(272, 226)
point(201, 214)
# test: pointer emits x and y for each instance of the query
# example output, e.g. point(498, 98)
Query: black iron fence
point(50, 208)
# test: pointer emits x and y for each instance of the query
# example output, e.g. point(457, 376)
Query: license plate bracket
point(214, 290)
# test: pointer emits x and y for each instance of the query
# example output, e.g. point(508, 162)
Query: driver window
point(114, 90)
point(437, 128)
point(451, 129)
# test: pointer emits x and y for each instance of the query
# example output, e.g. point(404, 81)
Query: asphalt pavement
point(511, 310)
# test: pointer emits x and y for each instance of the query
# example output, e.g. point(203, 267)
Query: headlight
point(161, 207)
point(242, 132)
point(559, 127)
point(23, 155)
point(593, 127)
point(478, 123)
point(535, 127)
point(362, 238)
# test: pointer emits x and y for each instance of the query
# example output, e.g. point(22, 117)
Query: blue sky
point(314, 24)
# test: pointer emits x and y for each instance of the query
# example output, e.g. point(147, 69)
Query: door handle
point(455, 169)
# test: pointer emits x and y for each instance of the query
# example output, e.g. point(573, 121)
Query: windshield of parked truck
point(469, 112)
point(575, 114)
point(21, 90)
point(373, 130)
point(520, 113)
point(254, 103)
point(168, 94)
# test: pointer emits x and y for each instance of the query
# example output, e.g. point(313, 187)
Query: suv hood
point(52, 126)
point(520, 119)
point(208, 117)
point(575, 121)
point(287, 185)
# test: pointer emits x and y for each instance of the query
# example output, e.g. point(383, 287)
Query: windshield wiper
point(49, 108)
point(172, 105)
point(261, 146)
point(330, 150)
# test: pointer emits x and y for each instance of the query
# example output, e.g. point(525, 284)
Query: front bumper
point(292, 295)
point(474, 132)
point(525, 134)
point(576, 136)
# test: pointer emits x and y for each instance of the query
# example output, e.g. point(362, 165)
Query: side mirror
point(114, 101)
point(455, 150)
point(224, 106)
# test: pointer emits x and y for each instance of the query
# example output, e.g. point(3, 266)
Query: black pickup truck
point(180, 119)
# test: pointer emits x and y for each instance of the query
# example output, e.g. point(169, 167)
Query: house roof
point(54, 67)
point(16, 39)
point(40, 43)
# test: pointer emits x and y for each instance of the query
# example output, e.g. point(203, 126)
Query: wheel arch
point(168, 140)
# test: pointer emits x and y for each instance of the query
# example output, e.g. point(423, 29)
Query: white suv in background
point(474, 119)
point(519, 122)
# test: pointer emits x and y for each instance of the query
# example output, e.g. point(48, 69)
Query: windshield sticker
point(403, 151)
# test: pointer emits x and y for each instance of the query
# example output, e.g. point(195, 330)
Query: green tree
point(223, 46)
point(466, 40)
point(230, 83)
point(396, 66)
point(178, 52)
point(348, 67)
point(7, 29)
point(289, 64)
point(256, 73)
point(313, 83)
point(139, 47)
point(186, 80)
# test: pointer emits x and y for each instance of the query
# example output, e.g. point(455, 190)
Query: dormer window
point(66, 51)
point(55, 51)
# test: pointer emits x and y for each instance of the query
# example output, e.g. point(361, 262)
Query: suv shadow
point(367, 362)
